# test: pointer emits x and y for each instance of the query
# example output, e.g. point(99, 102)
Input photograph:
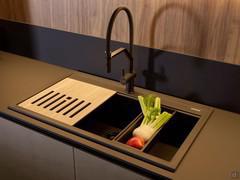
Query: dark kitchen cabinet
point(29, 155)
point(90, 167)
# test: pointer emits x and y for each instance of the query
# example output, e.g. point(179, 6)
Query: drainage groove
point(48, 99)
point(42, 97)
point(57, 105)
point(58, 111)
point(74, 114)
point(73, 108)
point(54, 101)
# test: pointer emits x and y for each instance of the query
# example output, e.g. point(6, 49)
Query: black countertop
point(213, 155)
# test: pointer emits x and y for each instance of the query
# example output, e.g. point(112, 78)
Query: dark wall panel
point(200, 80)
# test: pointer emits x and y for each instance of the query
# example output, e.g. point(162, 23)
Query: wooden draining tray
point(67, 101)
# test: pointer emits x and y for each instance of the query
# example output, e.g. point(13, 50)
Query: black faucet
point(127, 78)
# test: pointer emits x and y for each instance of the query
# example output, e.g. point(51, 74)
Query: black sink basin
point(111, 117)
point(172, 135)
point(113, 122)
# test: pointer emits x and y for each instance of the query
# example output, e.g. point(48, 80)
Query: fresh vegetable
point(153, 118)
point(136, 141)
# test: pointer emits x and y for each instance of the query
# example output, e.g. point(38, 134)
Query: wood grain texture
point(209, 29)
point(68, 101)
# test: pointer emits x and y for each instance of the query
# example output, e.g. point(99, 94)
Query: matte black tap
point(127, 78)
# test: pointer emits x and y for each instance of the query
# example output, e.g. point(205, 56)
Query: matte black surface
point(111, 117)
point(204, 159)
point(208, 82)
point(172, 135)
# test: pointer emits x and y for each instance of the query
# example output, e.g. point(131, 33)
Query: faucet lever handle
point(117, 51)
point(127, 77)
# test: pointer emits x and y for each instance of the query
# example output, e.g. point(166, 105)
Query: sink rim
point(164, 169)
point(135, 153)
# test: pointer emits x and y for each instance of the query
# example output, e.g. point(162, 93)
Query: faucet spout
point(129, 80)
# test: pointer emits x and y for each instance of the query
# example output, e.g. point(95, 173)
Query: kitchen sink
point(110, 120)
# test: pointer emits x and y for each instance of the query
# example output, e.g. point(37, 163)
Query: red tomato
point(136, 141)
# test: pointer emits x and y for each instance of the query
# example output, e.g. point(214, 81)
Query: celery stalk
point(153, 118)
point(143, 107)
point(151, 108)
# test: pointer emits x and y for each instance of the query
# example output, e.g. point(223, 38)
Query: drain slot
point(73, 101)
point(73, 108)
point(54, 101)
point(59, 104)
point(48, 99)
point(74, 114)
point(42, 97)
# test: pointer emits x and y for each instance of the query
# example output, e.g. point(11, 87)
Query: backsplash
point(200, 80)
